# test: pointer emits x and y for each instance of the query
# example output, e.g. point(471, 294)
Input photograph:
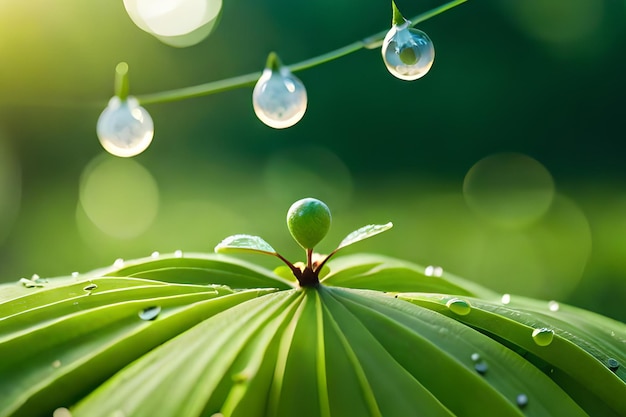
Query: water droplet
point(543, 336)
point(178, 254)
point(553, 306)
point(149, 313)
point(155, 254)
point(458, 306)
point(61, 412)
point(125, 128)
point(56, 364)
point(475, 357)
point(90, 287)
point(506, 298)
point(35, 277)
point(29, 283)
point(279, 98)
point(521, 400)
point(481, 367)
point(407, 52)
point(119, 262)
point(75, 274)
point(613, 364)
point(433, 271)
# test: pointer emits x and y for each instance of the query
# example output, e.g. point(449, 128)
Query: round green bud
point(308, 221)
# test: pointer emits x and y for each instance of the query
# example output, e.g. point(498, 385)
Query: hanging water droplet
point(155, 254)
point(90, 287)
point(506, 298)
point(119, 262)
point(475, 357)
point(521, 400)
point(433, 271)
point(458, 306)
point(56, 364)
point(125, 128)
point(613, 364)
point(543, 336)
point(279, 98)
point(61, 412)
point(178, 254)
point(553, 306)
point(149, 313)
point(407, 52)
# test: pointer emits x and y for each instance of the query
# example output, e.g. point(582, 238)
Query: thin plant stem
point(247, 80)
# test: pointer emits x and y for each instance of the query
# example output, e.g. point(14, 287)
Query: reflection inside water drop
point(553, 306)
point(506, 298)
point(150, 313)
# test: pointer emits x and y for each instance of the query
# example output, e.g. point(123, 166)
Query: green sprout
point(308, 221)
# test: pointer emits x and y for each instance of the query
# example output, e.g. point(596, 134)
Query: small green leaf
point(244, 243)
point(364, 233)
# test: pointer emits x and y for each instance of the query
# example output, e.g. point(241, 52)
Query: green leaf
point(203, 269)
point(363, 233)
point(244, 243)
point(576, 357)
point(377, 272)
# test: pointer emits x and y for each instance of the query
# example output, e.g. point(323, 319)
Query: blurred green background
point(504, 165)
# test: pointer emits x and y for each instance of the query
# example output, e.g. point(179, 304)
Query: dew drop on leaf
point(178, 254)
point(553, 306)
point(279, 98)
point(521, 400)
point(433, 271)
point(61, 412)
point(149, 313)
point(407, 52)
point(75, 274)
point(613, 364)
point(543, 336)
point(458, 306)
point(506, 298)
point(481, 367)
point(56, 364)
point(125, 128)
point(155, 255)
point(475, 357)
point(119, 262)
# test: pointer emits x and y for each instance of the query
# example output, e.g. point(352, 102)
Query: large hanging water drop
point(407, 52)
point(125, 128)
point(279, 98)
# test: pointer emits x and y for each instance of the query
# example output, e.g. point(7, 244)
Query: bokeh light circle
point(119, 196)
point(509, 190)
point(179, 23)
